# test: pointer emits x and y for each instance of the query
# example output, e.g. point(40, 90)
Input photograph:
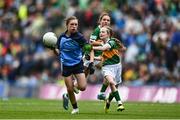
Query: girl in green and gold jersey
point(104, 20)
point(111, 64)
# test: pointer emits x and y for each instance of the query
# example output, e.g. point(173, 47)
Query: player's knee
point(82, 88)
point(112, 83)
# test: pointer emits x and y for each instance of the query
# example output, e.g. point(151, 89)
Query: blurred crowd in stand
point(150, 29)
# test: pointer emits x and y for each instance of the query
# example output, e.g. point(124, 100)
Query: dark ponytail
point(121, 47)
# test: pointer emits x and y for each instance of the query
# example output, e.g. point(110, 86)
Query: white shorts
point(86, 62)
point(113, 70)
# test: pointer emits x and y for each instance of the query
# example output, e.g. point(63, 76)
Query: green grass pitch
point(52, 109)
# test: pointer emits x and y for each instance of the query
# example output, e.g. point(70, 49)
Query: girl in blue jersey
point(70, 45)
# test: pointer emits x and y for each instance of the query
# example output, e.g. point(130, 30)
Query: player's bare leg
point(115, 93)
point(69, 84)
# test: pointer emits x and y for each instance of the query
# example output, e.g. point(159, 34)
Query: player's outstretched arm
point(99, 58)
point(102, 48)
point(97, 43)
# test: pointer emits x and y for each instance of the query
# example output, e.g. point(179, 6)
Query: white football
point(50, 39)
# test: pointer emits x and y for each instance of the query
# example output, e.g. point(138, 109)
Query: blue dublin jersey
point(71, 48)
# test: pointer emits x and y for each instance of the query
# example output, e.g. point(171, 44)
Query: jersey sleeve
point(112, 43)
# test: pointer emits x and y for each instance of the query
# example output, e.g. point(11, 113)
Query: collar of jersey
point(71, 36)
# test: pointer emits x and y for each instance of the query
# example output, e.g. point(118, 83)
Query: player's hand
point(87, 57)
point(91, 68)
point(49, 47)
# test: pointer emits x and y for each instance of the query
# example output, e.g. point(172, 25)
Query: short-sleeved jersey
point(95, 36)
point(111, 56)
point(71, 48)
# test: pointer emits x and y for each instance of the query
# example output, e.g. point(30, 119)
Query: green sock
point(116, 95)
point(103, 88)
point(110, 97)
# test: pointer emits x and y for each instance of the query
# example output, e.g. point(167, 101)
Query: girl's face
point(72, 26)
point(103, 33)
point(105, 21)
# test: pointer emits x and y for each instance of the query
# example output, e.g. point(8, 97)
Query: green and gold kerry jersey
point(111, 56)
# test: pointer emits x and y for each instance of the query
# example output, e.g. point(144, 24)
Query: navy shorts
point(69, 70)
